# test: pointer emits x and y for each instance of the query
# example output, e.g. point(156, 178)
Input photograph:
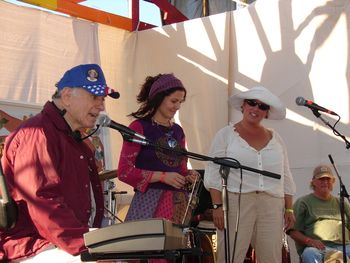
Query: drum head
point(107, 174)
point(206, 226)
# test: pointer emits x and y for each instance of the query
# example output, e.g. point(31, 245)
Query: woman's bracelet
point(307, 240)
point(162, 177)
point(289, 210)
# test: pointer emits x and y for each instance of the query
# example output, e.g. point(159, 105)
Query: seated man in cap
point(317, 232)
point(51, 173)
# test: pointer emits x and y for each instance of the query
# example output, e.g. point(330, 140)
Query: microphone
point(105, 121)
point(330, 158)
point(312, 105)
point(128, 138)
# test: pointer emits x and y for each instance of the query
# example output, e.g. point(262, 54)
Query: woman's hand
point(218, 218)
point(289, 220)
point(192, 176)
point(173, 179)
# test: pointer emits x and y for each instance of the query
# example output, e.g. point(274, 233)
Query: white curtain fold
point(37, 47)
point(294, 48)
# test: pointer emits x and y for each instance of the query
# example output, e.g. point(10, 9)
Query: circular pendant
point(172, 142)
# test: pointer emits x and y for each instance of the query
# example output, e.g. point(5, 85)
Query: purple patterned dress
point(137, 163)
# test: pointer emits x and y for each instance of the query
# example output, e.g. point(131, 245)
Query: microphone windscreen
point(103, 120)
point(300, 101)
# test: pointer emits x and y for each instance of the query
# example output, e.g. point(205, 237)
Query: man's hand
point(316, 244)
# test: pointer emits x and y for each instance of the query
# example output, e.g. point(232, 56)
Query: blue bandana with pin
point(89, 77)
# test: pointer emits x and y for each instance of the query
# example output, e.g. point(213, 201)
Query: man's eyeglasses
point(261, 106)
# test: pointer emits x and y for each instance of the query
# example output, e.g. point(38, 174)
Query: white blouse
point(272, 158)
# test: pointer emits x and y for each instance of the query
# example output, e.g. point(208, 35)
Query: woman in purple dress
point(157, 175)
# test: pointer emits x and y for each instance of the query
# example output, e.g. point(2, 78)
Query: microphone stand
point(318, 115)
point(8, 207)
point(224, 171)
point(225, 164)
point(343, 194)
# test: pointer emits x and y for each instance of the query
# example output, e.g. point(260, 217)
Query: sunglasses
point(261, 106)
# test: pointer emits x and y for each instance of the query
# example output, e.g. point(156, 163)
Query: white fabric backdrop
point(299, 48)
point(37, 47)
point(294, 48)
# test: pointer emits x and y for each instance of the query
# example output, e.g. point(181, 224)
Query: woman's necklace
point(166, 123)
point(172, 142)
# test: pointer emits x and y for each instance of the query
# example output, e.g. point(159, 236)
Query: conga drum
point(201, 237)
point(250, 257)
point(207, 239)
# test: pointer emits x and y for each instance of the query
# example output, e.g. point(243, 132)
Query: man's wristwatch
point(216, 206)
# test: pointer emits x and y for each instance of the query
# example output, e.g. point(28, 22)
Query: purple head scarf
point(165, 82)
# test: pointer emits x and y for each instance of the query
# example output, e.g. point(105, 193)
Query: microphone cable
point(92, 133)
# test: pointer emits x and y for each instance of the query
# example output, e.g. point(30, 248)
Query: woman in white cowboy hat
point(261, 203)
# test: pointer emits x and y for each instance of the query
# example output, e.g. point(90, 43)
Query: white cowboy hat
point(277, 110)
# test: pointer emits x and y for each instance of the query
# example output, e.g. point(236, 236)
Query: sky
point(149, 12)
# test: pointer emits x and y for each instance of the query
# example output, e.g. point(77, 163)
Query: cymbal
point(108, 174)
